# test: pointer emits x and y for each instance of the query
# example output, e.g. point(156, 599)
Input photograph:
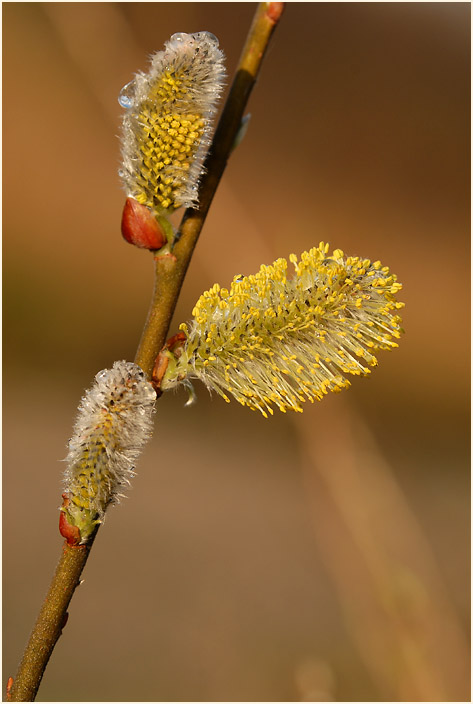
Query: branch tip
point(274, 11)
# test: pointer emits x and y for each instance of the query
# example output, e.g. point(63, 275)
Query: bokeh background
point(308, 557)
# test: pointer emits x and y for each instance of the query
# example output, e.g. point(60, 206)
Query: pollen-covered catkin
point(113, 425)
point(168, 121)
point(273, 340)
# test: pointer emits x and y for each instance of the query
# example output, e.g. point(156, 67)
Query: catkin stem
point(169, 275)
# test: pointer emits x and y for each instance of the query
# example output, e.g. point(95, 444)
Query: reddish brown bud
point(140, 227)
point(9, 686)
point(175, 341)
point(159, 369)
point(162, 360)
point(275, 10)
point(69, 532)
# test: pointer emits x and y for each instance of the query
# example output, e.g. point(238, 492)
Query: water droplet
point(179, 37)
point(208, 36)
point(127, 95)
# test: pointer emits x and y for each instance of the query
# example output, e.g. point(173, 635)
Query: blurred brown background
point(307, 557)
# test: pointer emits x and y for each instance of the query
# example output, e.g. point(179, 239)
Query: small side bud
point(170, 352)
point(140, 227)
point(274, 11)
point(9, 686)
point(68, 531)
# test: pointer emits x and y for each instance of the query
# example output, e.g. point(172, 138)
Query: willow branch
point(170, 270)
point(51, 620)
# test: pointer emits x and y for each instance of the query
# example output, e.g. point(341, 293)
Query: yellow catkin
point(306, 333)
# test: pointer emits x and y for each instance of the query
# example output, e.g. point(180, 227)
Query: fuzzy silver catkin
point(112, 427)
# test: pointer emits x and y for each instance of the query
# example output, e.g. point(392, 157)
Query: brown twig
point(51, 620)
point(169, 275)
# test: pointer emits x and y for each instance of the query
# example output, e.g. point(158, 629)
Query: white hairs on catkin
point(168, 121)
point(112, 427)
